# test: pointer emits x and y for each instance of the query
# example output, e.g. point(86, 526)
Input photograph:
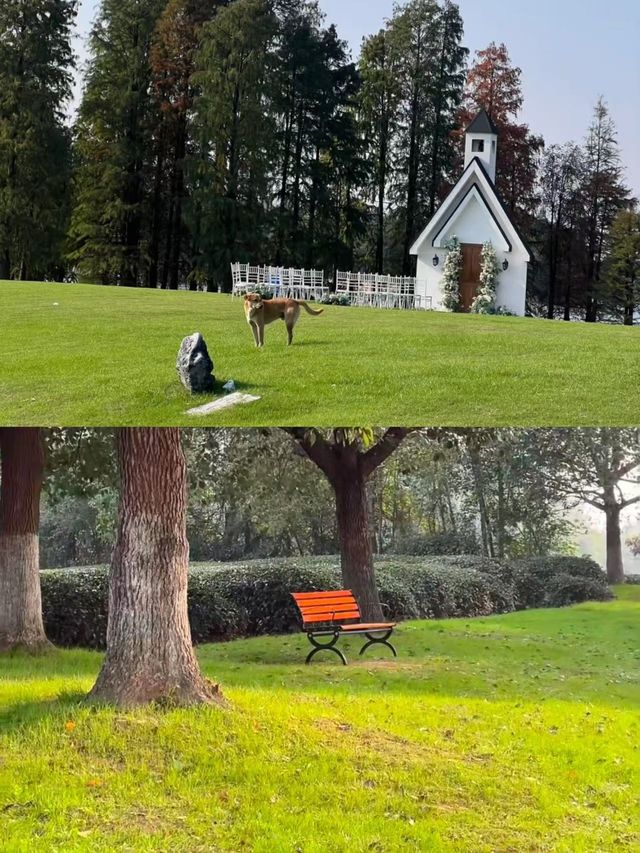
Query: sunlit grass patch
point(80, 354)
point(517, 732)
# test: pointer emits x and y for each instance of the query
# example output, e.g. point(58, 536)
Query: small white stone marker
point(223, 403)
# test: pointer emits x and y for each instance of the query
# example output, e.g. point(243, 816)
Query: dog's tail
point(310, 310)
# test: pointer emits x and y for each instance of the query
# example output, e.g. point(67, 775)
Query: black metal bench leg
point(324, 647)
point(379, 641)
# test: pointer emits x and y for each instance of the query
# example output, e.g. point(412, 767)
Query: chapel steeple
point(481, 141)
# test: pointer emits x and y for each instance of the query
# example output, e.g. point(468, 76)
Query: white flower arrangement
point(485, 301)
point(451, 275)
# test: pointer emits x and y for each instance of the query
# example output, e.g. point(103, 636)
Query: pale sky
point(570, 52)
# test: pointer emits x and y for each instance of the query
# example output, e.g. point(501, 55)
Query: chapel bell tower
point(481, 141)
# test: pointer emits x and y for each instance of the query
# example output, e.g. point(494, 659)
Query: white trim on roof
point(473, 183)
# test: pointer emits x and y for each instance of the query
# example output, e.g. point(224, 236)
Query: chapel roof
point(482, 123)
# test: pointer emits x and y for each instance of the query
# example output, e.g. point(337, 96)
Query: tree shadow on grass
point(14, 717)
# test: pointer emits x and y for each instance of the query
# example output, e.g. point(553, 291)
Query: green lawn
point(515, 733)
point(83, 355)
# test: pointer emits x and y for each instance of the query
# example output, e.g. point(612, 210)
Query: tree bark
point(615, 563)
point(22, 458)
point(150, 656)
point(478, 479)
point(348, 470)
point(356, 557)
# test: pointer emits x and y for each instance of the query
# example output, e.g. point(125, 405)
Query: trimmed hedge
point(230, 600)
point(438, 544)
point(557, 581)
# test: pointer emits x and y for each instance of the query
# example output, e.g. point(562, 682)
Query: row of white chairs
point(280, 281)
point(381, 291)
point(362, 289)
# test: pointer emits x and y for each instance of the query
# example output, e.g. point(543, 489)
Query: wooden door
point(470, 275)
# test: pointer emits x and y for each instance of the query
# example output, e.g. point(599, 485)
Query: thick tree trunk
point(352, 511)
point(150, 656)
point(615, 564)
point(22, 457)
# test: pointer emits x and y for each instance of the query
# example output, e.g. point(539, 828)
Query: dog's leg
point(291, 318)
point(256, 337)
point(261, 335)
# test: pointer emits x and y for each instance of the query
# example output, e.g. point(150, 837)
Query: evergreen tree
point(298, 59)
point(561, 186)
point(235, 137)
point(173, 59)
point(605, 196)
point(426, 42)
point(623, 274)
point(36, 63)
point(378, 105)
point(114, 146)
point(336, 168)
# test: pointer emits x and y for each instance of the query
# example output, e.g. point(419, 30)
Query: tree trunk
point(352, 512)
point(22, 457)
point(412, 183)
point(5, 265)
point(154, 248)
point(478, 479)
point(382, 186)
point(150, 656)
point(615, 565)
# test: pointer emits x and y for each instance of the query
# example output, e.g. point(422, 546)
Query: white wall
point(488, 156)
point(472, 223)
point(511, 293)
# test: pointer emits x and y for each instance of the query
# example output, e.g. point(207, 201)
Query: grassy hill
point(515, 733)
point(78, 354)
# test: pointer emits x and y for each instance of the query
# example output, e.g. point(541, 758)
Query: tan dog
point(260, 312)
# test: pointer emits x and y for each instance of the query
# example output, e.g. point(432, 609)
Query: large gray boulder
point(194, 365)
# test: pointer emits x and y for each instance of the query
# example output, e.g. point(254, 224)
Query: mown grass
point(105, 356)
point(515, 733)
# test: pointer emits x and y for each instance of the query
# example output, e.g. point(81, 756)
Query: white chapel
point(474, 213)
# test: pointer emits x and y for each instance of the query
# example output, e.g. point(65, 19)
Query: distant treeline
point(242, 130)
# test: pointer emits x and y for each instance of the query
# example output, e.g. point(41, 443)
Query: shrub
point(564, 590)
point(634, 580)
point(336, 299)
point(532, 577)
point(229, 600)
point(438, 544)
point(74, 606)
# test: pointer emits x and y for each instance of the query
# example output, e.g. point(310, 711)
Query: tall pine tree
point(235, 137)
point(425, 39)
point(114, 146)
point(605, 196)
point(623, 273)
point(36, 63)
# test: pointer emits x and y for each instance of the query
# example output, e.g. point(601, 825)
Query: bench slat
point(329, 605)
point(321, 596)
point(329, 616)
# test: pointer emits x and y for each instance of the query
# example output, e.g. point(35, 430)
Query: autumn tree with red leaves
point(495, 85)
point(172, 61)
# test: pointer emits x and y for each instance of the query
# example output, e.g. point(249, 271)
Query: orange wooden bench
point(332, 614)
